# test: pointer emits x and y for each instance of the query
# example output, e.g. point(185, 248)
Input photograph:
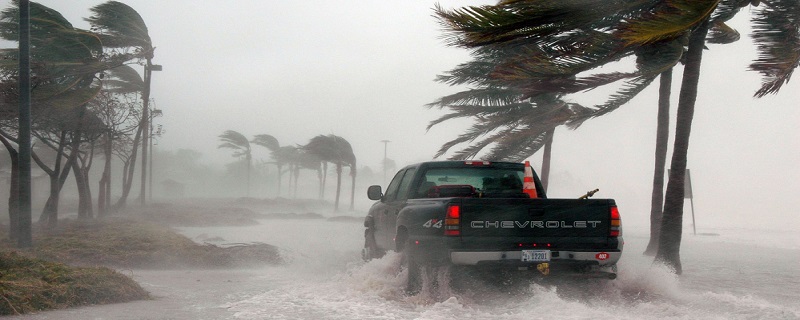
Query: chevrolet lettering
point(533, 224)
point(489, 216)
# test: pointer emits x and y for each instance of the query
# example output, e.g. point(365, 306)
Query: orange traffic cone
point(528, 186)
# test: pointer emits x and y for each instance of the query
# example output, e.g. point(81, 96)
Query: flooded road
point(734, 274)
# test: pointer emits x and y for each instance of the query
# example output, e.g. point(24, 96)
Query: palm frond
point(618, 99)
point(776, 32)
point(487, 96)
point(516, 20)
point(669, 19)
point(517, 146)
point(120, 26)
point(266, 141)
point(721, 33)
point(123, 79)
point(234, 140)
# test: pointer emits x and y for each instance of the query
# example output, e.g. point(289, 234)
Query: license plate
point(535, 255)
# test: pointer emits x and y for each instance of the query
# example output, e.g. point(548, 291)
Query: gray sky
point(363, 70)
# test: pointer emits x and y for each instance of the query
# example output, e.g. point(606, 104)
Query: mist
point(365, 71)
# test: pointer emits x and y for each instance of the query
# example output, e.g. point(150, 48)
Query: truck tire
point(371, 250)
point(414, 270)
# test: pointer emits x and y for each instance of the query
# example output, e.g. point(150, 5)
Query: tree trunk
point(338, 186)
point(249, 160)
point(662, 142)
point(13, 192)
point(58, 177)
point(672, 221)
point(353, 188)
point(280, 176)
point(144, 126)
point(296, 179)
point(324, 180)
point(548, 149)
point(104, 189)
point(84, 191)
point(127, 179)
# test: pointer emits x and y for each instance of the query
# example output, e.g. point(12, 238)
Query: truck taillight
point(616, 223)
point(452, 221)
point(477, 163)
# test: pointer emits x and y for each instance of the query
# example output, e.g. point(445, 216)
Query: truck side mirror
point(374, 192)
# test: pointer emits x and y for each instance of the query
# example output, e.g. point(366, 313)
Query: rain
point(240, 91)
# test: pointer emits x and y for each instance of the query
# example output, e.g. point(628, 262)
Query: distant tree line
point(314, 155)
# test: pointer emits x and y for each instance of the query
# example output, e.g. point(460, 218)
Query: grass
point(133, 243)
point(30, 284)
point(71, 264)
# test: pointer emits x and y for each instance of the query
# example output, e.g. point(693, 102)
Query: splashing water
point(326, 280)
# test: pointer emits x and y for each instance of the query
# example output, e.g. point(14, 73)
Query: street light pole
point(156, 113)
point(385, 146)
point(148, 70)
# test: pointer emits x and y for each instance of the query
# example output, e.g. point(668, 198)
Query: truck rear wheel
point(411, 264)
point(371, 250)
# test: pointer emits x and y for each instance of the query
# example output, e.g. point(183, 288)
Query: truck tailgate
point(522, 219)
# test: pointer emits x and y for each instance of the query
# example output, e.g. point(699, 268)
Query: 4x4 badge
point(435, 223)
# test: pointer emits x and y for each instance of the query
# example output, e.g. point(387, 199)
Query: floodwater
point(728, 274)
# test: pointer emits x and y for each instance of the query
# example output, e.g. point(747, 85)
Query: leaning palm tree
point(336, 150)
point(120, 26)
point(635, 27)
point(720, 33)
point(271, 143)
point(516, 103)
point(241, 148)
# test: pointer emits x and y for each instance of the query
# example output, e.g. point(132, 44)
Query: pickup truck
point(478, 213)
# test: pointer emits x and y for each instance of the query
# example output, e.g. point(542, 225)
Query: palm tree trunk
point(662, 142)
point(324, 180)
point(296, 179)
point(338, 186)
point(548, 150)
point(672, 221)
point(280, 176)
point(353, 187)
point(249, 164)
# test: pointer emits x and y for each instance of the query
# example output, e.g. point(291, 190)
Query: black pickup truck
point(477, 213)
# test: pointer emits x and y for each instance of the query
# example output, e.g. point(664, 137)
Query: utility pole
point(24, 232)
point(385, 146)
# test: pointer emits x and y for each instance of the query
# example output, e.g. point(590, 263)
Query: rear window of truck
point(466, 182)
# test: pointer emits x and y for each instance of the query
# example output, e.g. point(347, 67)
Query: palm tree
point(285, 155)
point(336, 150)
point(662, 139)
point(271, 143)
point(120, 26)
point(672, 218)
point(641, 28)
point(517, 105)
point(241, 148)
